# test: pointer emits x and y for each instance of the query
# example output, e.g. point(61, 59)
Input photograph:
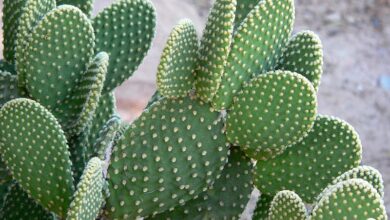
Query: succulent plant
point(234, 110)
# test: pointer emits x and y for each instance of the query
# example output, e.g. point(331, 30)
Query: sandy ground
point(356, 42)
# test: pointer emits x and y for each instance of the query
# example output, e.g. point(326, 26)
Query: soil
point(356, 43)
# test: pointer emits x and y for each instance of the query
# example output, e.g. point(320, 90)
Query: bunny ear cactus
point(236, 111)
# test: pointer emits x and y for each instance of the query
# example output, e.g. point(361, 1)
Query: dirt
point(356, 42)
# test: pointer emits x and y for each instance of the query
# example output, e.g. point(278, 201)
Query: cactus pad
point(303, 54)
point(214, 48)
point(66, 45)
point(175, 75)
point(32, 13)
point(155, 97)
point(8, 87)
point(331, 148)
point(19, 206)
point(125, 31)
point(366, 173)
point(272, 111)
point(88, 197)
point(106, 137)
point(287, 205)
point(263, 205)
point(256, 47)
point(226, 199)
point(79, 109)
point(84, 5)
point(350, 199)
point(34, 149)
point(173, 152)
point(12, 10)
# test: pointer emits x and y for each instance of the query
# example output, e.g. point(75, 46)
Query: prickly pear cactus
point(233, 111)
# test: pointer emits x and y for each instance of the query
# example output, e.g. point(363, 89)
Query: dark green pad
point(226, 199)
point(287, 205)
point(256, 47)
point(88, 198)
point(175, 74)
point(19, 206)
point(215, 48)
point(273, 111)
point(244, 7)
point(262, 207)
point(8, 87)
point(34, 148)
point(303, 54)
point(330, 148)
point(173, 152)
point(125, 31)
point(350, 199)
point(58, 61)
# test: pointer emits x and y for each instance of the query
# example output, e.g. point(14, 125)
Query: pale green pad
point(173, 152)
point(215, 48)
point(77, 110)
point(303, 54)
point(263, 205)
point(84, 5)
point(12, 10)
point(175, 74)
point(287, 205)
point(32, 13)
point(8, 87)
point(256, 47)
point(330, 148)
point(58, 61)
point(367, 173)
point(350, 199)
point(125, 31)
point(19, 206)
point(243, 9)
point(34, 148)
point(226, 199)
point(272, 111)
point(88, 197)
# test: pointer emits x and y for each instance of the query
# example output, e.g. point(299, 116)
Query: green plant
point(245, 93)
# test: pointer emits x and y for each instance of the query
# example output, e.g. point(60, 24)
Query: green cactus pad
point(34, 148)
point(331, 148)
point(8, 87)
point(32, 13)
point(214, 48)
point(105, 111)
point(287, 205)
point(88, 197)
point(303, 54)
point(244, 7)
point(263, 205)
point(125, 31)
point(350, 199)
point(173, 152)
point(84, 5)
point(104, 142)
point(7, 67)
point(75, 112)
point(226, 199)
point(58, 61)
point(12, 10)
point(367, 173)
point(175, 75)
point(255, 47)
point(272, 111)
point(19, 206)
point(78, 155)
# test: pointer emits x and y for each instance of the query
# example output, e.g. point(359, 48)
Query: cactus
point(235, 111)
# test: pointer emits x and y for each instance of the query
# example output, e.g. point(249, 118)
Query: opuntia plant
point(234, 111)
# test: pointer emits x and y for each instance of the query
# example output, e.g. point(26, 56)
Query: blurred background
point(356, 81)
